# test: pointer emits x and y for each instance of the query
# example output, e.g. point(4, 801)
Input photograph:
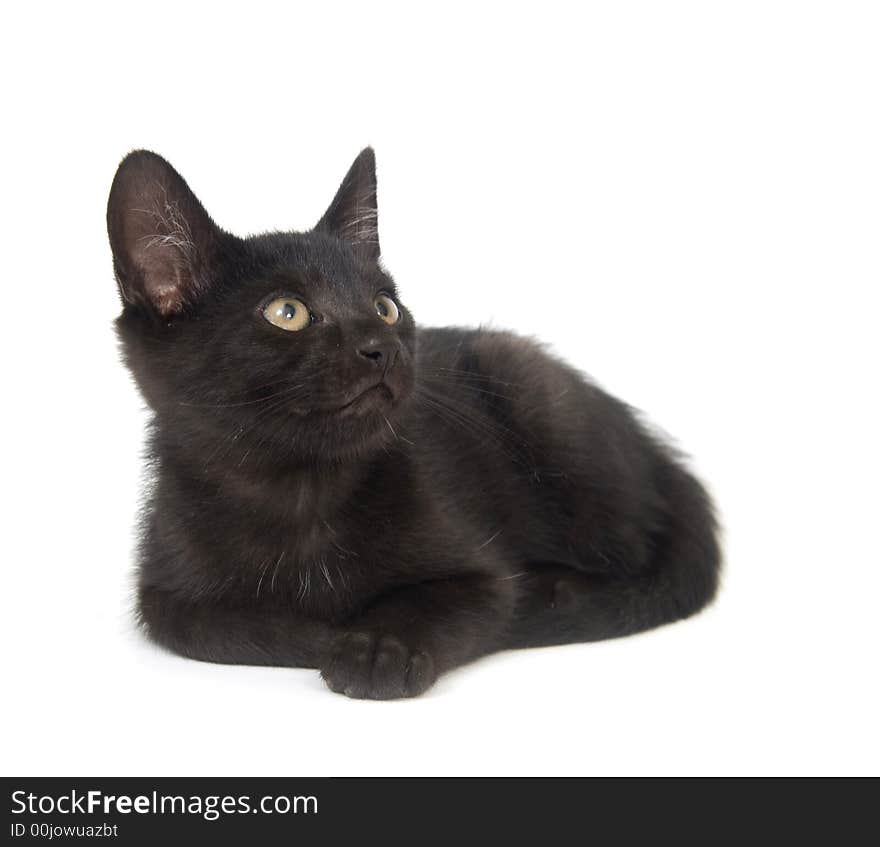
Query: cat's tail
point(559, 605)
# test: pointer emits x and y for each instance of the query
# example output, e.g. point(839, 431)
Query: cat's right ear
point(163, 241)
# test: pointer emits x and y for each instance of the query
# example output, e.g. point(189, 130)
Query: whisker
point(262, 574)
point(326, 574)
point(489, 540)
point(275, 572)
point(507, 441)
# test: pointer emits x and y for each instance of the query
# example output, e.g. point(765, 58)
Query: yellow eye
point(386, 309)
point(288, 313)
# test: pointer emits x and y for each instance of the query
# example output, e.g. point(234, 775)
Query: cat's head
point(293, 345)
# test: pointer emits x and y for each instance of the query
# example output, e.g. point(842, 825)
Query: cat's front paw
point(374, 667)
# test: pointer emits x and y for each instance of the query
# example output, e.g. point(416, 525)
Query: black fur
point(480, 495)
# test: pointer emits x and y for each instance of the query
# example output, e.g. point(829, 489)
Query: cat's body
point(378, 501)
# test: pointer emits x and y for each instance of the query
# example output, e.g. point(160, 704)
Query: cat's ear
point(162, 239)
point(353, 215)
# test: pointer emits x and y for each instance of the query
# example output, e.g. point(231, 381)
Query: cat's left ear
point(353, 215)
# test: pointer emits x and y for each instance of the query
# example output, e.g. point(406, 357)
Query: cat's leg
point(405, 639)
point(211, 632)
point(562, 604)
point(558, 604)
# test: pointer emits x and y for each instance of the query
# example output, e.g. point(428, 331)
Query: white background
point(683, 198)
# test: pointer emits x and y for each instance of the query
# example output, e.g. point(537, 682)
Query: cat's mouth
point(375, 396)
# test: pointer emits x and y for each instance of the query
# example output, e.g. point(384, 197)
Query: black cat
point(336, 488)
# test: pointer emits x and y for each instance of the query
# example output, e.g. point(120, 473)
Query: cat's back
point(494, 369)
point(509, 396)
point(496, 400)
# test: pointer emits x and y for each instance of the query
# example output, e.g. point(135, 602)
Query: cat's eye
point(288, 313)
point(386, 309)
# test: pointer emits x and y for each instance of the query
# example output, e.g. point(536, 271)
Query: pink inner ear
point(162, 238)
point(164, 251)
point(166, 296)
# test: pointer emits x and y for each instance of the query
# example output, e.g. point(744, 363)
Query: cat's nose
point(380, 353)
